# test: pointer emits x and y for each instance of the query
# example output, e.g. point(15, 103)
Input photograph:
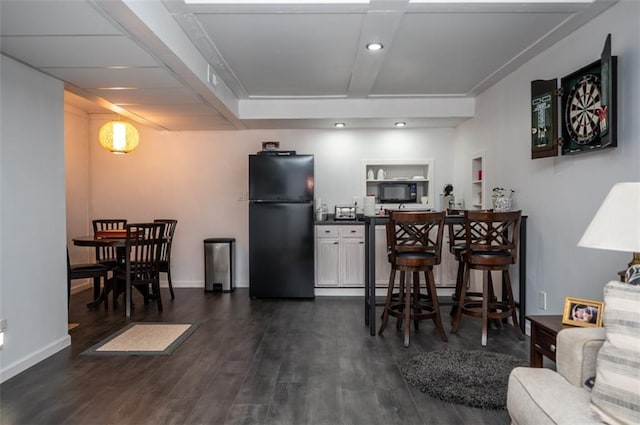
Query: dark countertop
point(331, 221)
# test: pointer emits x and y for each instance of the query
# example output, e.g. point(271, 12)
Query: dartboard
point(582, 110)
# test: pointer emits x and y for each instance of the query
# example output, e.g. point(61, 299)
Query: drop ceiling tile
point(95, 78)
point(30, 17)
point(422, 62)
point(183, 109)
point(287, 54)
point(280, 51)
point(77, 51)
point(147, 96)
point(192, 123)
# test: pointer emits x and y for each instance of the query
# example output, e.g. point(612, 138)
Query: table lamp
point(616, 225)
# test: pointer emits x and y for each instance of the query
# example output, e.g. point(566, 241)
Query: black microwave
point(393, 193)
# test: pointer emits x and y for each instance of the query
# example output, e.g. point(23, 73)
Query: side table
point(544, 330)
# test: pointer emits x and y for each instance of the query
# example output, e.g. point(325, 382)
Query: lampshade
point(118, 137)
point(616, 225)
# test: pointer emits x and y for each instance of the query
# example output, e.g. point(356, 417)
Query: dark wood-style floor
point(250, 362)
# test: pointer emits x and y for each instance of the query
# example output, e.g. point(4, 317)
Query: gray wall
point(561, 195)
point(32, 218)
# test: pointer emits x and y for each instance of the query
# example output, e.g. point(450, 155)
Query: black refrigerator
point(281, 249)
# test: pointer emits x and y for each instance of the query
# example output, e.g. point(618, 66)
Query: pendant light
point(119, 137)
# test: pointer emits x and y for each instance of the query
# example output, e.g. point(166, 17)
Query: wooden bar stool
point(415, 245)
point(457, 248)
point(457, 245)
point(491, 245)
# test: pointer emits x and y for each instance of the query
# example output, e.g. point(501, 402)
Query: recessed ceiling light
point(374, 46)
point(400, 124)
point(339, 125)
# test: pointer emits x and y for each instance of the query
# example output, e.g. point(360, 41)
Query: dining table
point(370, 303)
point(115, 239)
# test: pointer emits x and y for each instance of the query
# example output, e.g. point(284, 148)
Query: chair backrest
point(107, 252)
point(143, 247)
point(170, 228)
point(457, 236)
point(68, 266)
point(415, 232)
point(489, 232)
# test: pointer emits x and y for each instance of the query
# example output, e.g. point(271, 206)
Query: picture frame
point(581, 312)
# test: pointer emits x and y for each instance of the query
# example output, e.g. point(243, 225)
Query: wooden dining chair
point(95, 271)
point(165, 254)
point(107, 254)
point(141, 268)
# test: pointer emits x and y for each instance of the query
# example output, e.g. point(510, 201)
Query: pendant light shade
point(119, 137)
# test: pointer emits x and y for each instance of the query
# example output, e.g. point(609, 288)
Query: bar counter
point(370, 223)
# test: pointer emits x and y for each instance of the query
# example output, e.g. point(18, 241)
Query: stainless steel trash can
point(219, 263)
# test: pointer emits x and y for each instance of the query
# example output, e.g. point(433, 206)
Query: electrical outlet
point(542, 300)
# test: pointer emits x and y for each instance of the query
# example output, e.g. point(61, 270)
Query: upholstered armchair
point(607, 357)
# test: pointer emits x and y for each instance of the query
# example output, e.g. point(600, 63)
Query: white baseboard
point(319, 291)
point(34, 358)
point(359, 292)
point(341, 292)
point(82, 286)
point(195, 284)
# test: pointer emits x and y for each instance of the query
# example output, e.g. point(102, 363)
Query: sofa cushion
point(544, 397)
point(616, 393)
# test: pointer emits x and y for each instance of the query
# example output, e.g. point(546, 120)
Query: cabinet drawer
point(326, 231)
point(351, 231)
point(546, 343)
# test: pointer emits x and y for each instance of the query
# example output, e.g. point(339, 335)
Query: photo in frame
point(581, 312)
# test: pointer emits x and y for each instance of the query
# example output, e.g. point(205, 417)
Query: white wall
point(199, 178)
point(560, 195)
point(77, 181)
point(33, 283)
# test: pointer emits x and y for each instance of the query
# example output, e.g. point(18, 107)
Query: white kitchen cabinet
point(326, 256)
point(447, 270)
point(340, 256)
point(351, 255)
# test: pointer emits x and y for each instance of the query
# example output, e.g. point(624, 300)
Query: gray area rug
point(144, 339)
point(475, 378)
